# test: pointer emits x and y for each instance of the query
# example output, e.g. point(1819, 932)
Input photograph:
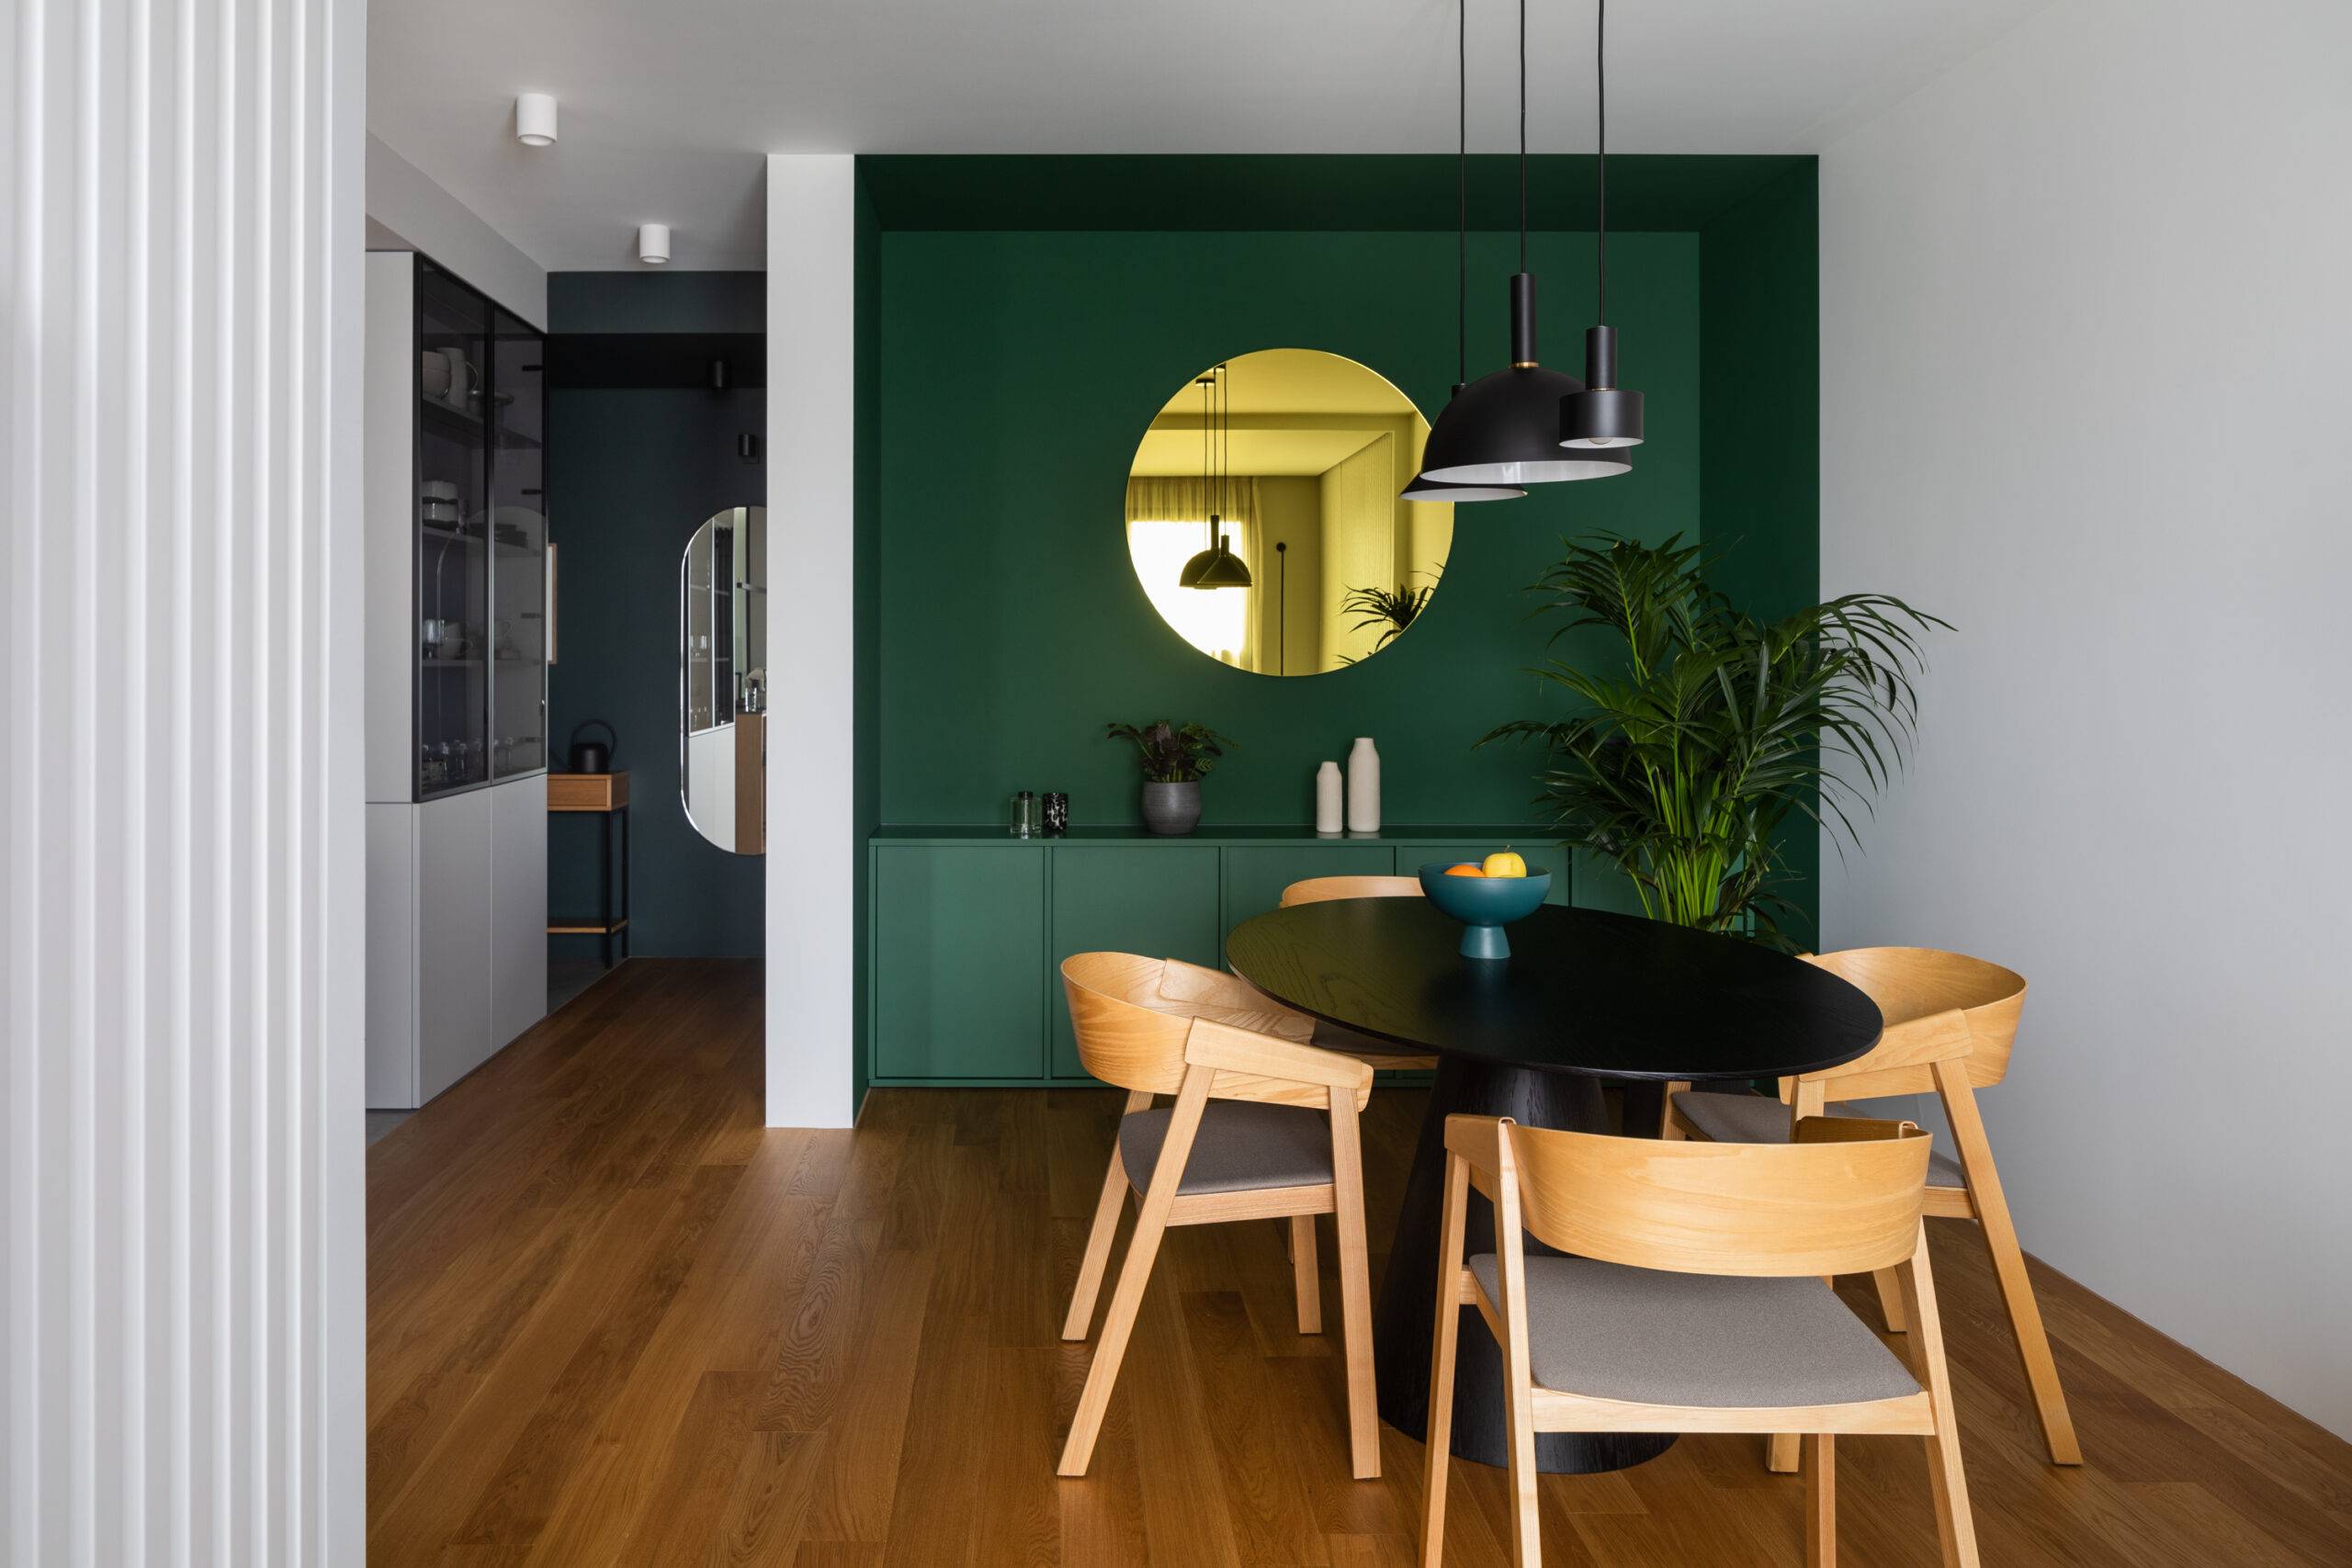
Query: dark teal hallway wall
point(633, 472)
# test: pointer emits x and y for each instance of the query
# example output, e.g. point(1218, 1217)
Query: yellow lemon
point(1504, 863)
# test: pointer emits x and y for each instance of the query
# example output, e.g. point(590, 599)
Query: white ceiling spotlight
point(654, 244)
point(534, 119)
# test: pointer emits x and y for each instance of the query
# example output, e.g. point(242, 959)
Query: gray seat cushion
point(1611, 1332)
point(1242, 1147)
point(1759, 1119)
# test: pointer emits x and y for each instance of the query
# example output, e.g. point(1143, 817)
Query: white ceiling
point(667, 105)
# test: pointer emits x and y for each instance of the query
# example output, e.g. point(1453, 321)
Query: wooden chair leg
point(1151, 1224)
point(1992, 1207)
point(1820, 1501)
point(1519, 1374)
point(1955, 1526)
point(1667, 1129)
point(1439, 1453)
point(1306, 1279)
point(1355, 1287)
point(1808, 1097)
point(1890, 1297)
point(1098, 1241)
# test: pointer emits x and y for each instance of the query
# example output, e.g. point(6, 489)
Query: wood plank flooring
point(613, 1320)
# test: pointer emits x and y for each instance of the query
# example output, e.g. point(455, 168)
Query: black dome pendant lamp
point(1217, 567)
point(1504, 428)
point(1424, 487)
point(1604, 415)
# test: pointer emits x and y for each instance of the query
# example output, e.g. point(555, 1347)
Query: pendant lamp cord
point(1209, 424)
point(1600, 161)
point(1522, 135)
point(1461, 192)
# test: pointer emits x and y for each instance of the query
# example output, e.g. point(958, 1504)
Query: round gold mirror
point(1262, 515)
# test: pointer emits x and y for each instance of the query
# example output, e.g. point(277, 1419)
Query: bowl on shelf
point(1483, 905)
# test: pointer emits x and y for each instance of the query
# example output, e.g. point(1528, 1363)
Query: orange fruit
point(1465, 868)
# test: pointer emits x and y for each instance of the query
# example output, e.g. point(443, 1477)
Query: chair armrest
point(1853, 1129)
point(1249, 1055)
point(1477, 1140)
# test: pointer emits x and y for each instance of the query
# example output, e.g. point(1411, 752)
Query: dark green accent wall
point(1034, 312)
point(1017, 373)
point(866, 781)
point(632, 473)
point(1760, 490)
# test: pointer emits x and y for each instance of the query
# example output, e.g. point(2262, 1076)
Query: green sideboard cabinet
point(969, 926)
point(959, 942)
point(1160, 899)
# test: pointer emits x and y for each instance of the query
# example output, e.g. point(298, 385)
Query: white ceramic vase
point(1329, 796)
point(1363, 786)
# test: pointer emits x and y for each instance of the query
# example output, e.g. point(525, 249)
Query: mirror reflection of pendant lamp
point(1423, 487)
point(1604, 414)
point(1504, 428)
point(1217, 567)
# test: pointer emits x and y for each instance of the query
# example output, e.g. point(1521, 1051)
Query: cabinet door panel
point(392, 958)
point(1160, 902)
point(1601, 885)
point(1410, 858)
point(1255, 875)
point(959, 962)
point(518, 901)
point(453, 873)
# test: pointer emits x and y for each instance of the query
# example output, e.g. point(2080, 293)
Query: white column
point(181, 1276)
point(812, 847)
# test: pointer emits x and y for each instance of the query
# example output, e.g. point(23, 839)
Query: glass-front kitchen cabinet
point(480, 689)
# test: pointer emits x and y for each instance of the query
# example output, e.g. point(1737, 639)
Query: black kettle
point(594, 756)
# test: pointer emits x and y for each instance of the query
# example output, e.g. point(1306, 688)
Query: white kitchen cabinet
point(518, 905)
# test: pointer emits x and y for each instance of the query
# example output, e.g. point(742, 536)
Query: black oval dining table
point(1585, 996)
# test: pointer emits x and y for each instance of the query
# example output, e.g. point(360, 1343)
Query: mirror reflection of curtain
point(1167, 525)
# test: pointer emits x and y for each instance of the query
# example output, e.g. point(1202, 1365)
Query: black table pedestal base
point(1403, 1318)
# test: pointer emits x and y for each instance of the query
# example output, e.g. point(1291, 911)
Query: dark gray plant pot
point(1171, 810)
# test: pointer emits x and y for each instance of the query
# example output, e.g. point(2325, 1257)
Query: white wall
point(2085, 333)
point(407, 211)
point(811, 891)
point(181, 1279)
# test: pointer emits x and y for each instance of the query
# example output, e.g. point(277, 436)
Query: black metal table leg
point(1404, 1316)
point(623, 814)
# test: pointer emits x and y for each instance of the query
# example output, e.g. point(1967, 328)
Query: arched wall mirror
point(1312, 563)
point(722, 680)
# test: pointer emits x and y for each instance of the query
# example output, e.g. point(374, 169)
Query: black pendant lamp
point(1604, 415)
point(1217, 567)
point(1504, 428)
point(1424, 487)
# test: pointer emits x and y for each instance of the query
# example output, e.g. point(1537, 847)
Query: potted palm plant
point(1175, 759)
point(1712, 728)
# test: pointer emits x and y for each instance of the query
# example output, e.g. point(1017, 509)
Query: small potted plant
point(1175, 759)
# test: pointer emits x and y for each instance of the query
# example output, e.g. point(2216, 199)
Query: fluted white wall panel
point(181, 847)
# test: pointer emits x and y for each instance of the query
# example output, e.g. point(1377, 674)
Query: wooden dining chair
point(1951, 1024)
point(1263, 1127)
point(1691, 1303)
point(1330, 1036)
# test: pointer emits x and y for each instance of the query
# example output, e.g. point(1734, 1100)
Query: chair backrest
point(1924, 993)
point(1132, 1018)
point(1778, 1210)
point(1318, 889)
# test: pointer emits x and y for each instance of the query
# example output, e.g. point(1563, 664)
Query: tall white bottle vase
point(1363, 787)
point(1330, 796)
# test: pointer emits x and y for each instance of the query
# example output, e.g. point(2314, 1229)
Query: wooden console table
point(606, 793)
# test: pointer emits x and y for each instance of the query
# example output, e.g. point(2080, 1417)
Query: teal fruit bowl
point(1485, 904)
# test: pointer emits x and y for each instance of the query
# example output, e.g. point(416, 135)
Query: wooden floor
point(612, 1320)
